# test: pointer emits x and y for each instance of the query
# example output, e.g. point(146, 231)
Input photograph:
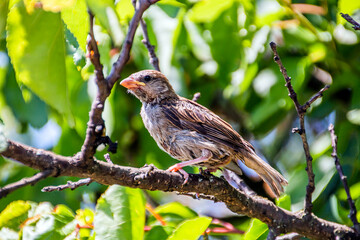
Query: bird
point(193, 134)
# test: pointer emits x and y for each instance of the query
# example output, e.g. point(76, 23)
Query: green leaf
point(36, 47)
point(284, 202)
point(76, 19)
point(173, 213)
point(159, 233)
point(354, 191)
point(125, 10)
point(3, 15)
point(208, 10)
point(14, 214)
point(225, 43)
point(122, 211)
point(104, 10)
point(26, 106)
point(257, 229)
point(46, 222)
point(339, 212)
point(176, 208)
point(191, 229)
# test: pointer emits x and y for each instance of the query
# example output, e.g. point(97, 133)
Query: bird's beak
point(131, 83)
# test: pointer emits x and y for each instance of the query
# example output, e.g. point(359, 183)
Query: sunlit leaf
point(76, 19)
point(39, 56)
point(208, 10)
point(14, 214)
point(125, 10)
point(284, 202)
point(191, 229)
point(3, 15)
point(256, 230)
point(122, 210)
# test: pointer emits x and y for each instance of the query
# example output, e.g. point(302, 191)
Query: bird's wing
point(190, 115)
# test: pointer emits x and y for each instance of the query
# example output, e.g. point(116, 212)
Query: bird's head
point(149, 86)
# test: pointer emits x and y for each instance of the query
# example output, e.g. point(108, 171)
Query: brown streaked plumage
point(192, 133)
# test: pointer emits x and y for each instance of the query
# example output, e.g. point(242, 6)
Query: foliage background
point(217, 48)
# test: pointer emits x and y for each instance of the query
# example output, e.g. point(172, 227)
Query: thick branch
point(347, 17)
point(151, 178)
point(343, 178)
point(4, 191)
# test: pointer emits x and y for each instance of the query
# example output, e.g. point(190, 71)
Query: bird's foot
point(177, 168)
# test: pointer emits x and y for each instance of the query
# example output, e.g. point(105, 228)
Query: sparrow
point(193, 134)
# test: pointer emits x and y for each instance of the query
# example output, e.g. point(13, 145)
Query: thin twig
point(94, 54)
point(315, 97)
point(4, 191)
point(343, 178)
point(125, 51)
point(347, 17)
point(301, 110)
point(151, 48)
point(146, 41)
point(69, 184)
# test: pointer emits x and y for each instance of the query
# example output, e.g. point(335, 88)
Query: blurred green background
point(217, 48)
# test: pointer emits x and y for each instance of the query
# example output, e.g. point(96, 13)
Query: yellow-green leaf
point(36, 47)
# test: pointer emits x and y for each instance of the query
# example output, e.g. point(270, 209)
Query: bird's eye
point(147, 78)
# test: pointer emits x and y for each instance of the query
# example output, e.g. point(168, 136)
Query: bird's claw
point(176, 168)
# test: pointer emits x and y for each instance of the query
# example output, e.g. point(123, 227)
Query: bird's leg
point(205, 155)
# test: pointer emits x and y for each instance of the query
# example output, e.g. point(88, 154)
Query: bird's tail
point(272, 177)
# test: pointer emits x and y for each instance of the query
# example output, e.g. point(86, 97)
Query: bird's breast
point(157, 125)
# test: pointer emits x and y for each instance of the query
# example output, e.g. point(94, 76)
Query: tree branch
point(343, 178)
point(347, 17)
point(96, 126)
point(69, 184)
point(125, 51)
point(4, 191)
point(301, 110)
point(150, 178)
point(151, 48)
point(146, 41)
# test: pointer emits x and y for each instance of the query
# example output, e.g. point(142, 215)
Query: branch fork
point(301, 111)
